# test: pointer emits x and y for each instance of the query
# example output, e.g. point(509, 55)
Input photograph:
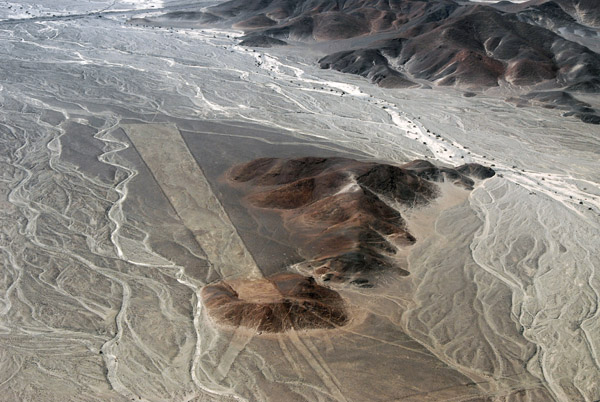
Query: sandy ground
point(100, 270)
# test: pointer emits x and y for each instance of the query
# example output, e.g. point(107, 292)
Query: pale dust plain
point(100, 273)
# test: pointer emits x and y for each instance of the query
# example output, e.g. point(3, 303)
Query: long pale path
point(184, 184)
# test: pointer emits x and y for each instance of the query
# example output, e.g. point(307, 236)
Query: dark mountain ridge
point(337, 211)
point(441, 42)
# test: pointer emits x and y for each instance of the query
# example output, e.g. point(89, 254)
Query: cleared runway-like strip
point(183, 182)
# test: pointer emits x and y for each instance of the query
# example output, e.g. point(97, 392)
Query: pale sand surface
point(324, 354)
point(503, 290)
point(184, 184)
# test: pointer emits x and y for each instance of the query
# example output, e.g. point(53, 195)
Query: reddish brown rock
point(276, 304)
point(416, 43)
point(338, 211)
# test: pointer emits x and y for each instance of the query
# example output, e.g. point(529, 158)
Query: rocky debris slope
point(343, 216)
point(412, 43)
point(340, 213)
point(276, 304)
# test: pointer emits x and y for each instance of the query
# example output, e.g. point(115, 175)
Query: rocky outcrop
point(415, 43)
point(261, 41)
point(340, 212)
point(476, 47)
point(276, 304)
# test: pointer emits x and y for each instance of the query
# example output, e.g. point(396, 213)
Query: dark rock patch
point(276, 304)
point(261, 41)
point(470, 45)
point(560, 100)
point(338, 211)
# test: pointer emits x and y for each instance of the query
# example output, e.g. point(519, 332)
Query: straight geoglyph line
point(183, 182)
